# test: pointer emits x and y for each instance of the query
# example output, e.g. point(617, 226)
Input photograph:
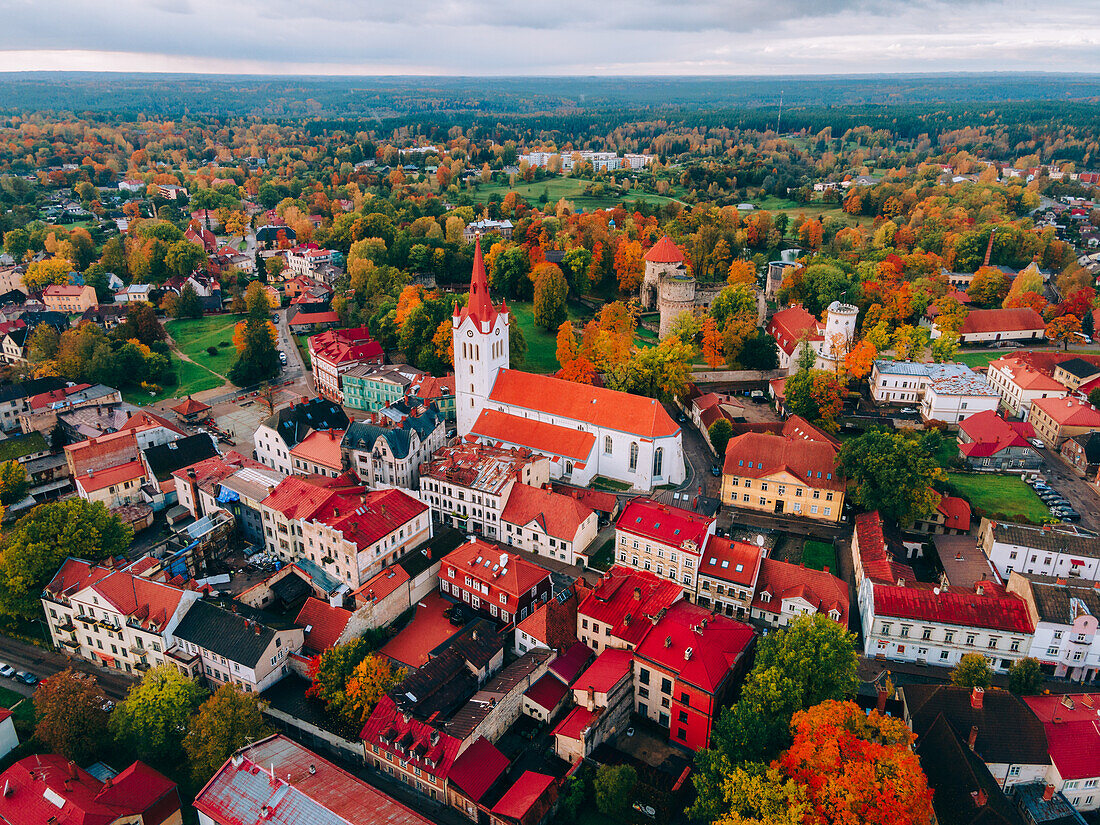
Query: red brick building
point(501, 586)
point(686, 668)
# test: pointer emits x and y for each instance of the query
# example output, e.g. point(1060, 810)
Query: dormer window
point(765, 597)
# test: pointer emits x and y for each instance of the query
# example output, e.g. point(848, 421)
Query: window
point(658, 460)
point(943, 654)
point(970, 637)
point(682, 716)
point(926, 634)
point(666, 686)
point(607, 444)
point(643, 676)
point(633, 456)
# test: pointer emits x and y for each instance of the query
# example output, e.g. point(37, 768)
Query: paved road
point(43, 663)
point(1064, 479)
point(295, 366)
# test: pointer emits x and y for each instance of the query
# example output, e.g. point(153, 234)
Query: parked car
point(1037, 443)
point(26, 677)
point(757, 396)
point(908, 410)
point(282, 358)
point(7, 671)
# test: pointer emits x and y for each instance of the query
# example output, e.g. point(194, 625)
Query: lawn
point(978, 360)
point(819, 555)
point(572, 189)
point(542, 346)
point(1004, 497)
point(192, 379)
point(24, 714)
point(603, 558)
point(193, 336)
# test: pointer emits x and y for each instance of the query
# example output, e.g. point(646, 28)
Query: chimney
point(637, 594)
point(973, 739)
point(256, 627)
point(591, 698)
point(883, 695)
point(1048, 792)
point(977, 695)
point(72, 771)
point(979, 798)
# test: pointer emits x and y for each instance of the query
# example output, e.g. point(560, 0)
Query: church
point(585, 431)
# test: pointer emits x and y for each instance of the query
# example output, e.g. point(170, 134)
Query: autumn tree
point(566, 343)
point(258, 357)
point(330, 672)
point(14, 483)
point(1025, 677)
point(580, 370)
point(989, 286)
point(629, 266)
point(152, 721)
point(860, 359)
point(551, 291)
point(945, 347)
point(816, 395)
point(742, 273)
point(712, 343)
point(1063, 329)
point(893, 473)
point(972, 671)
point(43, 343)
point(224, 723)
point(368, 683)
point(41, 274)
point(410, 298)
point(33, 550)
point(70, 717)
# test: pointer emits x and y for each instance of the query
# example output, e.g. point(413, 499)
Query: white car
point(1037, 443)
point(7, 671)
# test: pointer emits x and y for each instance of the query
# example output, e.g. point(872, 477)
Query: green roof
point(19, 446)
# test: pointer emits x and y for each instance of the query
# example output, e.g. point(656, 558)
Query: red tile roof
point(324, 624)
point(798, 427)
point(344, 346)
point(539, 436)
point(92, 481)
point(956, 512)
point(218, 468)
point(764, 455)
point(700, 648)
point(44, 399)
point(601, 407)
point(190, 407)
point(33, 784)
point(547, 692)
point(664, 252)
point(673, 526)
point(144, 420)
point(480, 306)
point(989, 434)
point(791, 325)
point(381, 584)
point(553, 623)
point(878, 565)
point(1068, 412)
point(529, 789)
point(781, 580)
point(477, 768)
point(569, 665)
point(627, 599)
point(576, 722)
point(1024, 375)
point(63, 290)
point(1002, 320)
point(557, 515)
point(321, 447)
point(597, 500)
point(303, 318)
point(607, 671)
point(1074, 739)
point(387, 724)
point(731, 561)
point(515, 577)
point(953, 606)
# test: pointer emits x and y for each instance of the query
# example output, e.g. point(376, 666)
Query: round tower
point(675, 295)
point(840, 320)
point(663, 259)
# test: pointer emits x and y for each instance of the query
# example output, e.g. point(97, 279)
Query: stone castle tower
point(840, 320)
point(667, 285)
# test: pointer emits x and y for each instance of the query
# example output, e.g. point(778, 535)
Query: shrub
point(211, 350)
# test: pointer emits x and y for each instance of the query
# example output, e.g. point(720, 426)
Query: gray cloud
point(566, 37)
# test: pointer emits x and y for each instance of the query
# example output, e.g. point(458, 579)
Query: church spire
point(481, 307)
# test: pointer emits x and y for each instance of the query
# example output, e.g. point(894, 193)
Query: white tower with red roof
point(480, 336)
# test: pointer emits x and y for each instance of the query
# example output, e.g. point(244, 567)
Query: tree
point(367, 684)
point(551, 291)
point(43, 344)
point(712, 343)
point(329, 673)
point(816, 395)
point(972, 671)
point(517, 345)
point(893, 473)
point(141, 323)
point(945, 347)
point(1064, 329)
point(720, 432)
point(184, 257)
point(258, 359)
point(13, 482)
point(566, 343)
point(274, 266)
point(35, 547)
point(226, 722)
point(860, 359)
point(628, 265)
point(950, 314)
point(152, 721)
point(1025, 677)
point(189, 304)
point(796, 667)
point(1094, 397)
point(742, 273)
point(989, 286)
point(614, 787)
point(759, 353)
point(71, 720)
point(41, 274)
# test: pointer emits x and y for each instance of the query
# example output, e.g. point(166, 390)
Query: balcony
point(73, 643)
point(86, 619)
point(138, 650)
point(141, 666)
point(67, 627)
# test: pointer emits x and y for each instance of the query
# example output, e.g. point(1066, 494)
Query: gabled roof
point(763, 455)
point(989, 433)
point(548, 692)
point(515, 576)
point(701, 648)
point(320, 447)
point(878, 565)
point(295, 422)
point(323, 624)
point(238, 639)
point(628, 600)
point(955, 512)
point(1079, 368)
point(554, 622)
point(791, 325)
point(540, 436)
point(93, 481)
point(166, 459)
point(559, 516)
point(664, 523)
point(524, 795)
point(363, 435)
point(664, 252)
point(731, 561)
point(144, 420)
point(608, 670)
point(1068, 412)
point(1072, 727)
point(477, 768)
point(954, 606)
point(151, 603)
point(1090, 445)
point(1002, 320)
point(601, 407)
point(824, 591)
point(569, 665)
point(423, 745)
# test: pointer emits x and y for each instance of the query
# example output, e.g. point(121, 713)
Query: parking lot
point(1080, 494)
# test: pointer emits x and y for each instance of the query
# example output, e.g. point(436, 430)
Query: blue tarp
point(225, 495)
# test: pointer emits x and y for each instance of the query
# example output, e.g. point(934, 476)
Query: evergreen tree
point(258, 359)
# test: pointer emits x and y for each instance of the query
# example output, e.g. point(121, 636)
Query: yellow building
point(69, 298)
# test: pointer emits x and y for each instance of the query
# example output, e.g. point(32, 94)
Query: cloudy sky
point(518, 37)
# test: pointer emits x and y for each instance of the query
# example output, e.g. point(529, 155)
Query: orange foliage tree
point(741, 272)
point(628, 265)
point(860, 359)
point(410, 298)
point(1064, 329)
point(712, 343)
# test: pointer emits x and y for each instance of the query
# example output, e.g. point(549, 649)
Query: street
point(1064, 479)
point(43, 663)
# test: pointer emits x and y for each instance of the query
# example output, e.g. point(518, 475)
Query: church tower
point(479, 332)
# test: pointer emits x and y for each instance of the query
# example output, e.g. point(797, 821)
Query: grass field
point(192, 379)
point(819, 555)
point(572, 189)
point(193, 336)
point(24, 713)
point(603, 558)
point(978, 360)
point(810, 210)
point(542, 346)
point(1005, 497)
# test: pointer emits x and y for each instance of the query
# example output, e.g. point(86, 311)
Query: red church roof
point(664, 252)
point(480, 306)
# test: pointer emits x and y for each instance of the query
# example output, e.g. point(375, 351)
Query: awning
point(1076, 562)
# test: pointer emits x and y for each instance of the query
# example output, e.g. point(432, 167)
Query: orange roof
point(559, 516)
point(90, 482)
point(956, 512)
point(323, 623)
point(1024, 375)
point(612, 410)
point(763, 455)
point(190, 407)
point(321, 447)
point(664, 252)
point(151, 602)
point(145, 420)
point(515, 577)
point(1001, 320)
point(1069, 412)
point(480, 306)
point(733, 561)
point(62, 290)
point(537, 435)
point(789, 326)
point(782, 580)
point(381, 584)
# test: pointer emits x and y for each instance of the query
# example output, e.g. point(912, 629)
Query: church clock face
point(498, 331)
point(469, 333)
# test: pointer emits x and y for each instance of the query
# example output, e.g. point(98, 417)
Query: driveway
point(43, 663)
point(1064, 479)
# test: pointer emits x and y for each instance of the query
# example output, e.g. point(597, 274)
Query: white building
point(288, 427)
point(1019, 384)
point(585, 431)
point(662, 539)
point(1065, 614)
point(546, 523)
point(304, 260)
point(1051, 550)
point(388, 449)
point(944, 392)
